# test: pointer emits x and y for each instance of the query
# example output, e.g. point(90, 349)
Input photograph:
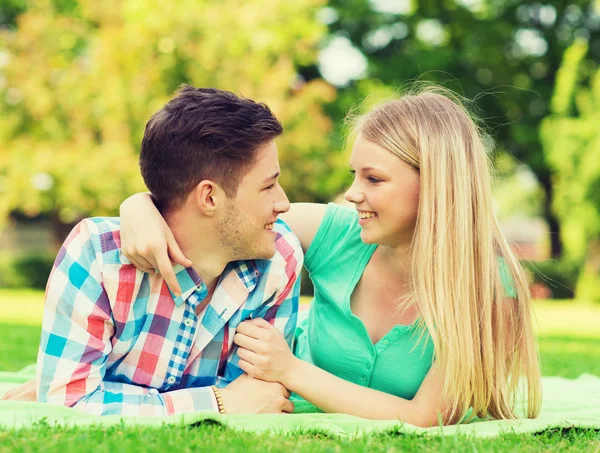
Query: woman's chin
point(367, 238)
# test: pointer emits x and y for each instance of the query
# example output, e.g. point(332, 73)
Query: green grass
point(569, 342)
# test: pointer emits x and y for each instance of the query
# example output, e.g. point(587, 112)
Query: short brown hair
point(202, 133)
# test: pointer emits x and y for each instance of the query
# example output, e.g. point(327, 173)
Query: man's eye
point(270, 187)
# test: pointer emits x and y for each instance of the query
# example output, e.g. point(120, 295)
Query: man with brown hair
point(116, 340)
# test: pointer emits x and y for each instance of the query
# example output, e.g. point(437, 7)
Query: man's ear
point(208, 196)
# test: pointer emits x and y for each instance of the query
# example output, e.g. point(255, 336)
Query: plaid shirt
point(115, 340)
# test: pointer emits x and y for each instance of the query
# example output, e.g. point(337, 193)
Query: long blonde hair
point(470, 291)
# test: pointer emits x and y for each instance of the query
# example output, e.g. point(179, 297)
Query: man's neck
point(199, 243)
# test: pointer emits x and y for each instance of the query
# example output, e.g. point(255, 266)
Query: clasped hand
point(264, 353)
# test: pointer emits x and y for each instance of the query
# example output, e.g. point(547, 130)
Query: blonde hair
point(470, 291)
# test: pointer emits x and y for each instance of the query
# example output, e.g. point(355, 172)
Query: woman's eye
point(270, 187)
point(373, 179)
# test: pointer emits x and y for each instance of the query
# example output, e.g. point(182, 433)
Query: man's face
point(246, 227)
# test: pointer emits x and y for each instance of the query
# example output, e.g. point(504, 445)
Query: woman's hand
point(147, 240)
point(264, 353)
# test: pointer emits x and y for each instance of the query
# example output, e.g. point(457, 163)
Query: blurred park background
point(80, 78)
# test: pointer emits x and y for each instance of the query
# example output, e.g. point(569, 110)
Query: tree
point(509, 49)
point(571, 139)
point(82, 77)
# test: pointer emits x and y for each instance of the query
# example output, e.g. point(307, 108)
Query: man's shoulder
point(287, 244)
point(104, 236)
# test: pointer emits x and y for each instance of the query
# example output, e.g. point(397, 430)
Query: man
point(116, 340)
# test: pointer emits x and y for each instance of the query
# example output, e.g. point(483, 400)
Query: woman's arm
point(147, 240)
point(304, 220)
point(265, 355)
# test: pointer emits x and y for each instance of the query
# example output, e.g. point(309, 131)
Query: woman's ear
point(208, 195)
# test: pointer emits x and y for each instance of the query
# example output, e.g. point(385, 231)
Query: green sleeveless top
point(334, 339)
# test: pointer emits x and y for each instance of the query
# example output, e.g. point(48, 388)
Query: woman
point(419, 270)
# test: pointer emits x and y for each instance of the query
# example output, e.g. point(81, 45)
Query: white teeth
point(366, 215)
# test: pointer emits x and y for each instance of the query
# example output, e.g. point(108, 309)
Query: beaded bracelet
point(219, 399)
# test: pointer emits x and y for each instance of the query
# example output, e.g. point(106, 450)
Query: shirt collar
point(190, 282)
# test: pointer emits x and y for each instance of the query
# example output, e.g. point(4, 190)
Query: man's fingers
point(175, 252)
point(24, 392)
point(288, 407)
point(166, 270)
point(244, 341)
point(251, 330)
point(10, 394)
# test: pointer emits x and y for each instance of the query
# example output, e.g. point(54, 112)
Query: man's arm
point(77, 330)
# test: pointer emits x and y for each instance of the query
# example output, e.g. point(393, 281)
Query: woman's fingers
point(244, 341)
point(141, 267)
point(175, 252)
point(166, 270)
point(261, 322)
point(145, 264)
point(248, 368)
point(249, 329)
point(249, 356)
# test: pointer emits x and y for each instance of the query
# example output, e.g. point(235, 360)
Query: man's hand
point(24, 392)
point(264, 353)
point(247, 395)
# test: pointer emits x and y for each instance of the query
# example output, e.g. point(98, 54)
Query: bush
point(588, 285)
point(31, 271)
point(560, 276)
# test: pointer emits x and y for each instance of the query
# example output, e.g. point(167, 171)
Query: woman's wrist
point(292, 373)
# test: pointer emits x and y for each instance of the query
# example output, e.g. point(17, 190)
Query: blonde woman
point(421, 312)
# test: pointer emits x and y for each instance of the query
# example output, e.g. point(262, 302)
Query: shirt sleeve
point(77, 329)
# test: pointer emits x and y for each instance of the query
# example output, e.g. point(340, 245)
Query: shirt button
point(396, 331)
point(188, 322)
point(153, 392)
point(386, 342)
point(171, 380)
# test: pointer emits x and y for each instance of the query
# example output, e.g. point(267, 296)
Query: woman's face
point(386, 194)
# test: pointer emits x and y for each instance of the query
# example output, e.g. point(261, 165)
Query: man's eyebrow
point(272, 177)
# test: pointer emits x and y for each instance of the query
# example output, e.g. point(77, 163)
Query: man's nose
point(282, 204)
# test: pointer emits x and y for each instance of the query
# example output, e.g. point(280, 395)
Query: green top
point(337, 341)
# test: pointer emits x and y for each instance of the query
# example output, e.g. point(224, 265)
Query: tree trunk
point(556, 245)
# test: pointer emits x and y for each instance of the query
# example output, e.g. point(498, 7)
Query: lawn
point(569, 339)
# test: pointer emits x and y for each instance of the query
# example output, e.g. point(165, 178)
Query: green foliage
point(35, 269)
point(30, 271)
point(83, 77)
point(571, 139)
point(504, 54)
point(560, 276)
